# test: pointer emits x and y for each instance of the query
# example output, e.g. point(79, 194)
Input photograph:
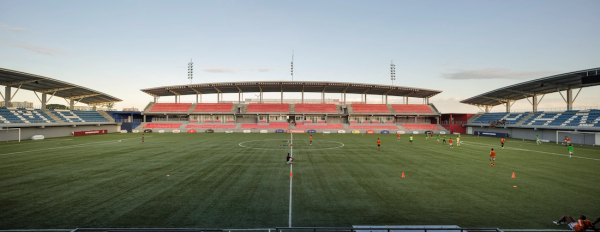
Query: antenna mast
point(292, 69)
point(393, 72)
point(190, 71)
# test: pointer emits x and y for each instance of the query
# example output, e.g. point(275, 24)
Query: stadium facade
point(302, 115)
point(581, 125)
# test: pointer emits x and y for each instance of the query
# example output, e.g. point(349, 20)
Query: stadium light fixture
point(393, 72)
point(292, 68)
point(191, 70)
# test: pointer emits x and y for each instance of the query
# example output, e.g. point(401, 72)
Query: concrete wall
point(52, 132)
point(545, 134)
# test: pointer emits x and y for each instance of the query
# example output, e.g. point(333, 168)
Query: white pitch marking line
point(291, 165)
point(520, 149)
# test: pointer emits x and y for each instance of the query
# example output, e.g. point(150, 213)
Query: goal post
point(10, 134)
point(580, 137)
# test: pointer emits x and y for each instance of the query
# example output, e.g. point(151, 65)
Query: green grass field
point(210, 181)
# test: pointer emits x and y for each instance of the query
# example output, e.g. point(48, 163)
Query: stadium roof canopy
point(551, 84)
point(291, 86)
point(46, 85)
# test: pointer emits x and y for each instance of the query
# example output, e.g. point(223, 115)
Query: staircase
point(244, 108)
point(110, 119)
point(434, 109)
point(350, 110)
point(141, 126)
point(148, 107)
point(391, 108)
point(192, 108)
point(524, 119)
point(475, 117)
point(292, 108)
point(53, 116)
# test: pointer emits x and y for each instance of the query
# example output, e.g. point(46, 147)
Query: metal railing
point(553, 109)
point(146, 229)
point(388, 229)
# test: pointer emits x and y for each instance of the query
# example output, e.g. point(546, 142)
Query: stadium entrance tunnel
point(286, 145)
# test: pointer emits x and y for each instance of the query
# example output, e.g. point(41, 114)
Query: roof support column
point(508, 107)
point(281, 94)
point(535, 103)
point(569, 98)
point(44, 101)
point(427, 100)
point(487, 109)
point(302, 93)
point(71, 104)
point(218, 98)
point(7, 98)
point(381, 99)
point(344, 97)
point(196, 98)
point(386, 99)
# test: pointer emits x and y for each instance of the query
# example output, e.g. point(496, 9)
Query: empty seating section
point(211, 126)
point(489, 117)
point(214, 107)
point(163, 125)
point(79, 116)
point(373, 127)
point(370, 108)
point(420, 126)
point(568, 118)
point(23, 116)
point(171, 107)
point(301, 125)
point(268, 107)
point(315, 108)
point(412, 108)
point(273, 125)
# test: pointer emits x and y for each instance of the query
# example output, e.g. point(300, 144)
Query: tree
point(109, 106)
point(56, 106)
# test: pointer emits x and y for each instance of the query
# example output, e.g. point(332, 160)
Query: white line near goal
point(8, 131)
point(291, 165)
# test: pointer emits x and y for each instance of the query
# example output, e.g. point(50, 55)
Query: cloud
point(15, 29)
point(493, 73)
point(38, 49)
point(235, 70)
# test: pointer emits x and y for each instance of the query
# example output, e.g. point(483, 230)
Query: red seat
point(315, 108)
point(213, 107)
point(373, 127)
point(273, 125)
point(370, 108)
point(210, 126)
point(268, 107)
point(412, 108)
point(420, 126)
point(300, 125)
point(162, 125)
point(171, 107)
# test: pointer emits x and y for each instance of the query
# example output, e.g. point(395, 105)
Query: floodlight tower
point(393, 72)
point(292, 69)
point(191, 70)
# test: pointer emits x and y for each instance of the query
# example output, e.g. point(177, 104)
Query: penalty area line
point(521, 149)
point(70, 146)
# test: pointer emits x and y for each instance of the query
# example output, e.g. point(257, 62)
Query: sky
point(463, 48)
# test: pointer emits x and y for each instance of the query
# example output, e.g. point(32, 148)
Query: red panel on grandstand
point(315, 108)
point(412, 108)
point(420, 127)
point(373, 127)
point(213, 107)
point(370, 108)
point(273, 125)
point(268, 107)
point(171, 107)
point(211, 126)
point(300, 125)
point(162, 125)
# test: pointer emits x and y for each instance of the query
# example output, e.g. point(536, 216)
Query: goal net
point(578, 137)
point(10, 134)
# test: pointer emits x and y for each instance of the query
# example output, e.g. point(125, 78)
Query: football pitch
point(242, 181)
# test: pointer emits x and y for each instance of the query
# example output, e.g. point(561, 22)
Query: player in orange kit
point(397, 137)
point(502, 141)
point(378, 144)
point(450, 141)
point(492, 158)
point(578, 225)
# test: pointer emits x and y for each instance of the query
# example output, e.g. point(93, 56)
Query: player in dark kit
point(142, 138)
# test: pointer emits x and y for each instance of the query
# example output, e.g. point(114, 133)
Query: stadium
point(444, 149)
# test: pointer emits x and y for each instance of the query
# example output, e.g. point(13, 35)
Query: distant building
point(18, 104)
point(130, 109)
point(81, 108)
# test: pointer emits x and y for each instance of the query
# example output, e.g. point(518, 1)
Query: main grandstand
point(581, 125)
point(51, 122)
point(301, 115)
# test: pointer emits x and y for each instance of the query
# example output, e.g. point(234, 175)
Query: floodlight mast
point(393, 72)
point(292, 68)
point(191, 70)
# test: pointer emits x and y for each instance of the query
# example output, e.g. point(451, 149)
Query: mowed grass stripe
point(214, 182)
